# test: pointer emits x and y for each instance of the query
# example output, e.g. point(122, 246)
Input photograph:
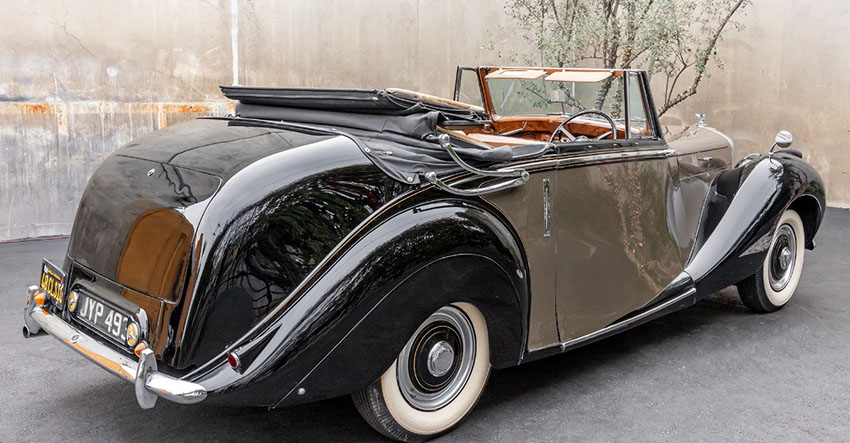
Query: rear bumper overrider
point(143, 373)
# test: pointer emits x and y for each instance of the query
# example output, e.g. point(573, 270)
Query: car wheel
point(774, 283)
point(436, 379)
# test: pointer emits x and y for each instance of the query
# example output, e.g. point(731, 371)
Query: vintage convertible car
point(395, 246)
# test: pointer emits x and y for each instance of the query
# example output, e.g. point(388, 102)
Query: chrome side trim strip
point(547, 209)
point(149, 383)
point(690, 292)
point(593, 158)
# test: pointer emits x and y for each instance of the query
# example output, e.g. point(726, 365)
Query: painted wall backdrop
point(78, 80)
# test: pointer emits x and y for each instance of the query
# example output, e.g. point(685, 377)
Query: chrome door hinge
point(547, 209)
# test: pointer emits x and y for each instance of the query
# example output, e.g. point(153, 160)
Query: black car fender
point(740, 214)
point(351, 321)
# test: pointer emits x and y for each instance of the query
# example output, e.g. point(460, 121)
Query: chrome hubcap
point(440, 359)
point(437, 361)
point(783, 253)
point(785, 257)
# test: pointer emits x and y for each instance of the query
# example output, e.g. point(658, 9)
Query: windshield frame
point(648, 104)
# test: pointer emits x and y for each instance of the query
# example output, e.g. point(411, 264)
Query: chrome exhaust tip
point(31, 327)
point(30, 333)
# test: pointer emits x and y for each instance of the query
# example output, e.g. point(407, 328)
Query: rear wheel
point(774, 283)
point(436, 379)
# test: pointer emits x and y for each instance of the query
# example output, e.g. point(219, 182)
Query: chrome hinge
point(547, 209)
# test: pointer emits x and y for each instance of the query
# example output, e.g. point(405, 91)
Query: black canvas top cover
point(398, 135)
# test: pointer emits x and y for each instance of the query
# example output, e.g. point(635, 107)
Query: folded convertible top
point(398, 134)
point(364, 101)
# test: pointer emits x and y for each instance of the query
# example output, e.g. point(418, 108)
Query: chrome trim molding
point(593, 158)
point(520, 170)
point(149, 383)
point(728, 140)
point(547, 209)
point(679, 298)
point(521, 176)
point(445, 142)
point(747, 159)
point(512, 183)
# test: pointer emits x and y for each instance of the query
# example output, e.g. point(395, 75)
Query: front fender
point(740, 214)
point(346, 327)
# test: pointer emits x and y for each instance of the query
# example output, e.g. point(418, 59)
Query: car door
point(615, 249)
point(528, 210)
point(595, 222)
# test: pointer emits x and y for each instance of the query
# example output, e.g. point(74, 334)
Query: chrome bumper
point(149, 383)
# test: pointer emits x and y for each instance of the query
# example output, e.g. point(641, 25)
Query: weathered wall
point(77, 80)
point(789, 69)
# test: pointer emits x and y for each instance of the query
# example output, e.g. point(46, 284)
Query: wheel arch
point(811, 212)
point(419, 296)
point(386, 328)
point(351, 321)
point(741, 212)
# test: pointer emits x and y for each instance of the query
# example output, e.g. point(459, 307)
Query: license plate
point(53, 282)
point(102, 318)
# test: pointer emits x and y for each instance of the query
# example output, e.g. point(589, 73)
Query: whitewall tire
point(774, 283)
point(436, 380)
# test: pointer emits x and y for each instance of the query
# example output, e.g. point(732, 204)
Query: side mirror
point(783, 139)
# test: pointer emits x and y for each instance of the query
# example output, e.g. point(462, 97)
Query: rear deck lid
point(136, 222)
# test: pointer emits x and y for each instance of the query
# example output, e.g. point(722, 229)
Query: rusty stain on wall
point(49, 150)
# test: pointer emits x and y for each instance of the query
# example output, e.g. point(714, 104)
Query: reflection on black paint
point(270, 246)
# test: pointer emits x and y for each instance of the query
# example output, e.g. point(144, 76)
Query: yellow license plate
point(53, 282)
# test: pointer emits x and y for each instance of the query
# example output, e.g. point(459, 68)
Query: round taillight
point(234, 362)
point(73, 297)
point(132, 334)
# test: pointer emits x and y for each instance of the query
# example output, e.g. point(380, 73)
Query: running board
point(686, 298)
point(631, 321)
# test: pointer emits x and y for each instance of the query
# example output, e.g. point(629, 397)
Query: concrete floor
point(714, 372)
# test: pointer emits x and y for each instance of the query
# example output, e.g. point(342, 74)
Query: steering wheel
point(561, 129)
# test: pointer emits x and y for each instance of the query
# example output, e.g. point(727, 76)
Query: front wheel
point(436, 379)
point(774, 283)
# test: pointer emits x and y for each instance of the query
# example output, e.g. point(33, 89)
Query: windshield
point(540, 96)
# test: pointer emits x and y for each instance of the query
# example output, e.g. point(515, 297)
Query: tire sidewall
point(429, 423)
point(780, 298)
